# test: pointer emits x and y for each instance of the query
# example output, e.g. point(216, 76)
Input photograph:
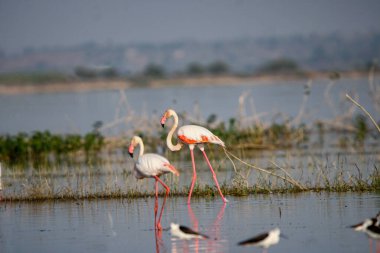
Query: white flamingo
point(151, 165)
point(192, 135)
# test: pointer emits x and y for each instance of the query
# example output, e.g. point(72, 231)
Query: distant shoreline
point(97, 85)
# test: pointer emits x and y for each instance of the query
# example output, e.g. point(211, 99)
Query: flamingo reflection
point(158, 238)
point(213, 244)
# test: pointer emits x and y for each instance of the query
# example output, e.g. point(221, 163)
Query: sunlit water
point(312, 222)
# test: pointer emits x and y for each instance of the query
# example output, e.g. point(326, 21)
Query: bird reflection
point(158, 238)
point(213, 244)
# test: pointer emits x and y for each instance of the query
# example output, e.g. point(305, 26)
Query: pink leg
point(214, 176)
point(156, 204)
point(163, 204)
point(194, 175)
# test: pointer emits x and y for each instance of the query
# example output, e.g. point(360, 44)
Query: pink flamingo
point(192, 135)
point(152, 165)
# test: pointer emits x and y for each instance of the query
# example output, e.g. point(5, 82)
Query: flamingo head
point(167, 114)
point(134, 143)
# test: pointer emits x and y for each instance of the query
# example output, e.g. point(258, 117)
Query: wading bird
point(264, 240)
point(192, 135)
point(186, 233)
point(370, 226)
point(151, 165)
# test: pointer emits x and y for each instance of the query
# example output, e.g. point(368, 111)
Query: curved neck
point(169, 142)
point(141, 147)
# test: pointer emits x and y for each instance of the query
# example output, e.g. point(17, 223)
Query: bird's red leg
point(194, 173)
point(156, 204)
point(213, 175)
point(163, 203)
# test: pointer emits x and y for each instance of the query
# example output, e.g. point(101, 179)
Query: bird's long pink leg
point(167, 189)
point(194, 173)
point(156, 203)
point(213, 174)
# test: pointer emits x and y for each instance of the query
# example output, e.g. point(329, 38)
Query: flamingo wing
point(193, 134)
point(149, 165)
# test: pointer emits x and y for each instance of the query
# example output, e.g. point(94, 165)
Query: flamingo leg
point(194, 173)
point(156, 203)
point(213, 175)
point(167, 189)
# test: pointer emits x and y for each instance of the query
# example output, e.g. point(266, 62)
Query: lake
point(312, 222)
point(270, 101)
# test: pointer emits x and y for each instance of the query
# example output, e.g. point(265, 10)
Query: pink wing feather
point(193, 134)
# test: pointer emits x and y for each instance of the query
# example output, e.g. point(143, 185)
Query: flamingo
point(192, 135)
point(151, 165)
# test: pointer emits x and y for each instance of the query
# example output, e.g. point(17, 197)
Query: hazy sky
point(38, 23)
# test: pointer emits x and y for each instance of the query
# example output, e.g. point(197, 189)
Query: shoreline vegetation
point(31, 162)
point(10, 85)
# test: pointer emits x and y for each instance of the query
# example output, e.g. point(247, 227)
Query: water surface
point(77, 112)
point(313, 222)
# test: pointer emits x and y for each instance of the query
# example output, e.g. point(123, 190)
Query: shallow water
point(311, 169)
point(313, 222)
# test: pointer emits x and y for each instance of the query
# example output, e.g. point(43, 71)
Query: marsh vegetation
point(282, 154)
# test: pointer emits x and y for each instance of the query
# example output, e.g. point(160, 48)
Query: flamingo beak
point(163, 120)
point(130, 150)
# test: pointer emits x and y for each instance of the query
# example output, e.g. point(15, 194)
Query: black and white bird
point(186, 233)
point(370, 226)
point(264, 240)
point(367, 222)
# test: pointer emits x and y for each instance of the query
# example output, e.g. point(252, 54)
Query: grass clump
point(42, 147)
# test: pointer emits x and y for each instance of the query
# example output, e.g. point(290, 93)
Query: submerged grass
point(44, 189)
point(208, 191)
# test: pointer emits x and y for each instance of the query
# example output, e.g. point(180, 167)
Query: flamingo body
point(193, 134)
point(151, 165)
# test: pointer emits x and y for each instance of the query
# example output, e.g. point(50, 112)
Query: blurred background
point(77, 43)
point(124, 37)
point(79, 78)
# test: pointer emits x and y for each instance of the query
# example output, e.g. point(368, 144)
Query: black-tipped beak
point(131, 154)
point(163, 125)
